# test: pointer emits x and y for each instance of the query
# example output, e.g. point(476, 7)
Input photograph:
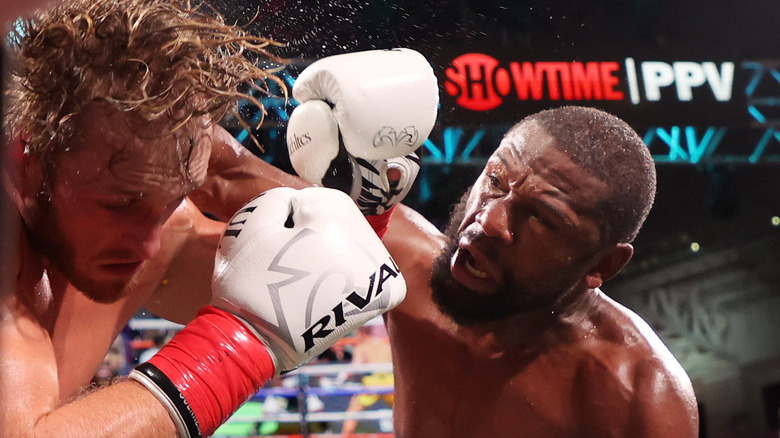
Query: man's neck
point(39, 286)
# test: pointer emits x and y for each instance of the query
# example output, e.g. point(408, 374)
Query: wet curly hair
point(154, 58)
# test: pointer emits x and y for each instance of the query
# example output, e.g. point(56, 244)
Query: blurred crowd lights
point(696, 247)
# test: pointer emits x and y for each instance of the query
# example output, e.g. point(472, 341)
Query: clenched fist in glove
point(361, 115)
point(295, 271)
point(304, 269)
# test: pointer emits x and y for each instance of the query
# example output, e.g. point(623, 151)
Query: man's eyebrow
point(119, 191)
point(550, 199)
point(501, 157)
point(557, 211)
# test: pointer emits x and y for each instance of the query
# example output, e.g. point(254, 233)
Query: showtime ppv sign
point(682, 91)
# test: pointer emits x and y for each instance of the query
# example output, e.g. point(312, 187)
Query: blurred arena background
point(700, 80)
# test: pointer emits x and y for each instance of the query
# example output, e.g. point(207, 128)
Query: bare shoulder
point(630, 384)
point(28, 370)
point(414, 243)
point(412, 237)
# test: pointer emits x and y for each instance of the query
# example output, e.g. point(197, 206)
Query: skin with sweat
point(540, 351)
point(113, 229)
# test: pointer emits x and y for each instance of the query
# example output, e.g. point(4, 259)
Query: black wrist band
point(174, 395)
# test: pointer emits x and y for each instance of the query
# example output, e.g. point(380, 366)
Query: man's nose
point(496, 221)
point(145, 236)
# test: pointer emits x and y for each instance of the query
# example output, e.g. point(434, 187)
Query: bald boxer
point(505, 331)
point(111, 141)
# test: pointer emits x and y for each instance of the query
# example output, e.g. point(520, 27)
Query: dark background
point(712, 203)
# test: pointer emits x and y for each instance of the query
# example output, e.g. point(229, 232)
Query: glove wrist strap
point(380, 222)
point(161, 386)
point(209, 369)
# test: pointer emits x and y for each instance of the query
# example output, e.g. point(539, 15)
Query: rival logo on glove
point(319, 329)
point(234, 232)
point(355, 299)
point(388, 137)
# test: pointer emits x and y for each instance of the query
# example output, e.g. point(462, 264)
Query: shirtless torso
point(505, 331)
point(54, 336)
point(606, 375)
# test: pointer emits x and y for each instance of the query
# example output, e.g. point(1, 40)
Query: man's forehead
point(529, 146)
point(106, 137)
point(525, 141)
point(120, 127)
point(100, 127)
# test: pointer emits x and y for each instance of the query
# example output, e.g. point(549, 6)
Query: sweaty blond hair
point(155, 58)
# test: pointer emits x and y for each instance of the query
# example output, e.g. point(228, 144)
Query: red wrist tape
point(380, 222)
point(216, 364)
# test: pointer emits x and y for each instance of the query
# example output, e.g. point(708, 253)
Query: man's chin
point(107, 292)
point(465, 306)
point(106, 296)
point(457, 315)
point(474, 312)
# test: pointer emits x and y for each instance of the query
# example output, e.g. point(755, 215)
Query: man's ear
point(23, 174)
point(610, 262)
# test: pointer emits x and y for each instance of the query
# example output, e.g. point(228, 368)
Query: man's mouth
point(467, 270)
point(469, 264)
point(122, 269)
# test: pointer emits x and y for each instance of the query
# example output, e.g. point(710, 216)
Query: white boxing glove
point(362, 114)
point(303, 268)
point(295, 271)
point(384, 101)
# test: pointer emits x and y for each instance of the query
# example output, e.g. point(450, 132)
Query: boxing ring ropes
point(303, 389)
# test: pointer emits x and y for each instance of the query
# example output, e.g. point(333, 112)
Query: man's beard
point(467, 307)
point(46, 236)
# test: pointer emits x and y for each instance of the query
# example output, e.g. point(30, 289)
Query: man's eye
point(543, 220)
point(117, 204)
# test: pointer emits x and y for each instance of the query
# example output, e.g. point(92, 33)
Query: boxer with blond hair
point(112, 152)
